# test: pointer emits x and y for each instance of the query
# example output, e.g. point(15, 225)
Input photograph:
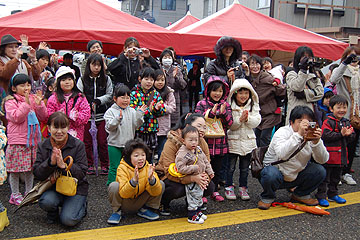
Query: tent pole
point(356, 18)
point(331, 16)
point(306, 14)
point(279, 6)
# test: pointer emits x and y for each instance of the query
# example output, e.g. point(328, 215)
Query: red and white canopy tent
point(70, 24)
point(255, 32)
point(185, 21)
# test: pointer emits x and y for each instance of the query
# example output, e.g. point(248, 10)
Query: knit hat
point(92, 42)
point(64, 70)
point(8, 39)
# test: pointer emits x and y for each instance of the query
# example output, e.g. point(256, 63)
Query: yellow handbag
point(173, 170)
point(214, 127)
point(67, 185)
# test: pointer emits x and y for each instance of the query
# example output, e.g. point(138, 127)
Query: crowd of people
point(151, 149)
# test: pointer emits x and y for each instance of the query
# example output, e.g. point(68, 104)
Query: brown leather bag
point(354, 119)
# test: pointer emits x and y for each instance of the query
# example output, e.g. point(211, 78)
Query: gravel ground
point(343, 222)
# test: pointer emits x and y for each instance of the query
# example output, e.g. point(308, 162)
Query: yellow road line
point(158, 228)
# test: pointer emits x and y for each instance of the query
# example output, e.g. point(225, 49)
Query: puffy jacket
point(217, 146)
point(242, 139)
point(17, 110)
point(165, 121)
point(81, 106)
point(125, 173)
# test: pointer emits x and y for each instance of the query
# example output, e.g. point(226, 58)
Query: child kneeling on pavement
point(137, 186)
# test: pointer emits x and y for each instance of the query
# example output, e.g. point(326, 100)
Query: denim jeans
point(73, 209)
point(306, 182)
point(263, 137)
point(244, 162)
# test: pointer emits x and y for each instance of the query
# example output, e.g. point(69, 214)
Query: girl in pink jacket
point(23, 112)
point(68, 99)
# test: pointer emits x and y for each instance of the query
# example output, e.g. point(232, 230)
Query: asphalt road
point(343, 223)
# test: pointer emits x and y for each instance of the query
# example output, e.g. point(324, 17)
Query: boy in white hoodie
point(121, 123)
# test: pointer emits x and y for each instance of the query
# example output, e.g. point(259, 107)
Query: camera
point(356, 59)
point(25, 49)
point(51, 51)
point(138, 51)
point(313, 64)
point(310, 131)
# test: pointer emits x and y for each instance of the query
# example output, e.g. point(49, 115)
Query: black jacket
point(196, 77)
point(74, 147)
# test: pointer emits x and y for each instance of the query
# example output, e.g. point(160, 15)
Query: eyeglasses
point(254, 64)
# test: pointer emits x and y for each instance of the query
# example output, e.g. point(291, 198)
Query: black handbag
point(257, 159)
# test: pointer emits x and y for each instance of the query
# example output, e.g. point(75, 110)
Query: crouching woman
point(137, 187)
point(50, 158)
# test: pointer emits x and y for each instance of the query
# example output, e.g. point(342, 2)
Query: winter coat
point(267, 92)
point(242, 139)
point(78, 104)
point(335, 142)
point(3, 140)
point(74, 147)
point(188, 163)
point(122, 130)
point(321, 111)
point(165, 121)
point(138, 98)
point(16, 112)
point(168, 155)
point(284, 143)
point(218, 66)
point(308, 84)
point(95, 91)
point(177, 83)
point(194, 77)
point(218, 146)
point(126, 71)
point(125, 173)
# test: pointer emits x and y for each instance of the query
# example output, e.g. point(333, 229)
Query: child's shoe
point(196, 219)
point(229, 193)
point(4, 221)
point(114, 218)
point(147, 214)
point(244, 194)
point(323, 202)
point(164, 210)
point(348, 179)
point(91, 170)
point(202, 215)
point(217, 197)
point(104, 171)
point(337, 199)
point(205, 201)
point(16, 199)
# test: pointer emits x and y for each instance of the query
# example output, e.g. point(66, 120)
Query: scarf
point(59, 145)
point(355, 85)
point(34, 132)
point(20, 69)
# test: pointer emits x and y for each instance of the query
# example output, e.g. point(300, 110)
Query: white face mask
point(167, 62)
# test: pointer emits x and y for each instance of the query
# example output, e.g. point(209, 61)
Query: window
point(168, 5)
point(326, 2)
point(263, 3)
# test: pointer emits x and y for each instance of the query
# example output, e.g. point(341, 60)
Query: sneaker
point(147, 214)
point(104, 171)
point(114, 218)
point(352, 170)
point(217, 197)
point(243, 193)
point(91, 170)
point(323, 202)
point(340, 183)
point(196, 219)
point(202, 215)
point(337, 199)
point(205, 201)
point(165, 211)
point(229, 193)
point(348, 179)
point(16, 199)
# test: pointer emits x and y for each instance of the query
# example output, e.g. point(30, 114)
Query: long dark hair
point(186, 119)
point(299, 53)
point(18, 79)
point(213, 86)
point(49, 83)
point(60, 93)
point(164, 92)
point(233, 98)
point(102, 79)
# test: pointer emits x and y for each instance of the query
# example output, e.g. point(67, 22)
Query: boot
point(4, 221)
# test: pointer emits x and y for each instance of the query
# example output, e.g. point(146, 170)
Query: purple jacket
point(82, 107)
point(217, 146)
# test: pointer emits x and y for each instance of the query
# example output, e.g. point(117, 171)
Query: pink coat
point(82, 107)
point(165, 121)
point(17, 111)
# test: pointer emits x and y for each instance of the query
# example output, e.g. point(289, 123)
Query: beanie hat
point(92, 42)
point(64, 70)
point(8, 39)
point(42, 53)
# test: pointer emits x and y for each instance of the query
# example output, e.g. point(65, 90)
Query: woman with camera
point(125, 69)
point(303, 86)
point(11, 63)
point(347, 80)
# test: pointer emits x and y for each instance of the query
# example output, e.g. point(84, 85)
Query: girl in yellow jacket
point(137, 186)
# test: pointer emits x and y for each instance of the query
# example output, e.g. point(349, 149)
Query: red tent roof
point(255, 31)
point(185, 21)
point(70, 24)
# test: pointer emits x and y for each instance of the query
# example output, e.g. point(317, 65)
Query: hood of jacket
point(226, 42)
point(277, 72)
point(217, 79)
point(320, 102)
point(243, 83)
